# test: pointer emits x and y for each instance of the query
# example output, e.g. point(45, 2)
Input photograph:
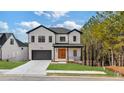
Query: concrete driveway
point(34, 67)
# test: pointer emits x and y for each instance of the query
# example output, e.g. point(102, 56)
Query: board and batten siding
point(13, 52)
point(41, 45)
point(23, 53)
point(77, 34)
point(61, 35)
point(69, 38)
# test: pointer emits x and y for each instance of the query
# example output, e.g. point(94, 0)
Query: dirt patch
point(116, 69)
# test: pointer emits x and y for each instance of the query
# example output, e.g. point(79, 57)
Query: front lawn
point(71, 66)
point(78, 67)
point(10, 64)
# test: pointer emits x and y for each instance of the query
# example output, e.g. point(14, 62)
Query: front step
point(60, 62)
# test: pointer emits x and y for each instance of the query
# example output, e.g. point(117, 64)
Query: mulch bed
point(116, 69)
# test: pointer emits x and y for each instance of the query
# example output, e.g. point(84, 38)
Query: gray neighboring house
point(12, 48)
point(54, 43)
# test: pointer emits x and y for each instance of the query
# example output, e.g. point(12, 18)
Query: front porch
point(67, 52)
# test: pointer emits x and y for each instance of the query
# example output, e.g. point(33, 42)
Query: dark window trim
point(74, 38)
point(50, 39)
point(61, 38)
point(41, 39)
point(32, 38)
point(11, 41)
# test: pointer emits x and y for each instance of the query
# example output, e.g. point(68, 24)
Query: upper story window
point(41, 38)
point(62, 39)
point(74, 38)
point(32, 38)
point(50, 38)
point(12, 41)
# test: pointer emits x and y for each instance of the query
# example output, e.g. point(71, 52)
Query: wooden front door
point(62, 53)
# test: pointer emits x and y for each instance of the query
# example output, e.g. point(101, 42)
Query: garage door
point(41, 54)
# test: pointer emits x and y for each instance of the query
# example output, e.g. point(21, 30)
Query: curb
point(75, 72)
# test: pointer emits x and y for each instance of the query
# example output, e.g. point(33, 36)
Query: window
point(32, 38)
point(74, 38)
point(50, 38)
point(74, 53)
point(62, 39)
point(41, 38)
point(12, 41)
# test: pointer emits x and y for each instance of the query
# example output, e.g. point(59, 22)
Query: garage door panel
point(41, 54)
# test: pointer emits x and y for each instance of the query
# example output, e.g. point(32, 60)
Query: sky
point(19, 22)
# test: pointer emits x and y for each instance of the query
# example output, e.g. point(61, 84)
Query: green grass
point(10, 64)
point(70, 66)
point(78, 67)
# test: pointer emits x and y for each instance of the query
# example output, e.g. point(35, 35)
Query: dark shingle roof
point(60, 30)
point(56, 30)
point(21, 44)
point(5, 36)
point(39, 27)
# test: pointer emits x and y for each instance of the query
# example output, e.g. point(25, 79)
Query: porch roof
point(68, 45)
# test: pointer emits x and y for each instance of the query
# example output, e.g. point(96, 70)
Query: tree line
point(103, 39)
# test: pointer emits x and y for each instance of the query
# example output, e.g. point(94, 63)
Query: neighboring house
point(11, 48)
point(56, 44)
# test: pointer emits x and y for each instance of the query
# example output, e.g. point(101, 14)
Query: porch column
point(81, 54)
point(67, 54)
point(54, 53)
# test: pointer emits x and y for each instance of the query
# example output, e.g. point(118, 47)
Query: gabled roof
point(75, 30)
point(39, 27)
point(21, 44)
point(5, 36)
point(56, 30)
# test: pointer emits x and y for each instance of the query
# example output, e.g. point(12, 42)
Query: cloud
point(29, 24)
point(4, 26)
point(52, 14)
point(58, 14)
point(69, 25)
point(23, 27)
point(19, 30)
point(20, 33)
point(40, 13)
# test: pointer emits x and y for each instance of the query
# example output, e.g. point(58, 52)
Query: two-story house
point(54, 43)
